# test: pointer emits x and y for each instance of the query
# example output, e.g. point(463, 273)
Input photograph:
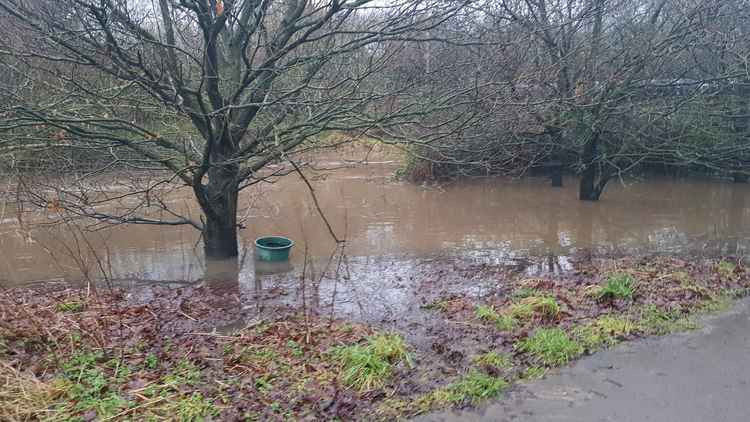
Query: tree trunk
point(222, 276)
point(556, 175)
point(734, 222)
point(555, 167)
point(590, 189)
point(220, 230)
point(741, 126)
point(219, 205)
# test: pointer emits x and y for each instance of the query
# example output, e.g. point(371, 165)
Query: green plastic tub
point(273, 248)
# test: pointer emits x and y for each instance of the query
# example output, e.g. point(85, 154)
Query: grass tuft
point(532, 373)
point(473, 388)
point(506, 323)
point(542, 306)
point(604, 331)
point(618, 286)
point(655, 320)
point(717, 303)
point(368, 366)
point(195, 407)
point(493, 360)
point(726, 269)
point(486, 313)
point(73, 306)
point(551, 346)
point(440, 305)
point(25, 397)
point(525, 292)
point(502, 322)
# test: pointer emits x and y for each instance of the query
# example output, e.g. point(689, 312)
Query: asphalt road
point(698, 376)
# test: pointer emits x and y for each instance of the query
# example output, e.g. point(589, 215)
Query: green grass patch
point(493, 360)
point(532, 306)
point(551, 346)
point(717, 303)
point(655, 320)
point(439, 305)
point(369, 366)
point(486, 313)
point(87, 385)
point(525, 292)
point(502, 322)
point(193, 408)
point(258, 355)
point(73, 306)
point(506, 323)
point(683, 277)
point(726, 269)
point(151, 361)
point(473, 388)
point(90, 383)
point(617, 286)
point(182, 374)
point(295, 348)
point(532, 373)
point(604, 331)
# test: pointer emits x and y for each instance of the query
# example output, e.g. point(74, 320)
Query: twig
point(212, 335)
point(315, 200)
point(465, 323)
point(132, 409)
point(304, 299)
point(187, 316)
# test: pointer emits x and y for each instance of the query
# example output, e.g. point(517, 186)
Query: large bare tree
point(211, 91)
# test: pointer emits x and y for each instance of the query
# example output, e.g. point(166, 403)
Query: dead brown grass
point(23, 396)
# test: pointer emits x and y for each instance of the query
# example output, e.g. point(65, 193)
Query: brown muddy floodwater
point(397, 231)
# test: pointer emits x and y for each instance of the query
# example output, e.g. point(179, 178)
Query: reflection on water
point(391, 223)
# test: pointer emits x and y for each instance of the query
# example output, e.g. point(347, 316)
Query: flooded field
point(396, 233)
point(388, 224)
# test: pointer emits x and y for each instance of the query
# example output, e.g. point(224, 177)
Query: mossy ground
point(66, 355)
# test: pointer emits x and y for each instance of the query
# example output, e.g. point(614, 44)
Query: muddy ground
point(454, 335)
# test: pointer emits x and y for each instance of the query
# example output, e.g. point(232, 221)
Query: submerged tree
point(211, 91)
point(605, 87)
